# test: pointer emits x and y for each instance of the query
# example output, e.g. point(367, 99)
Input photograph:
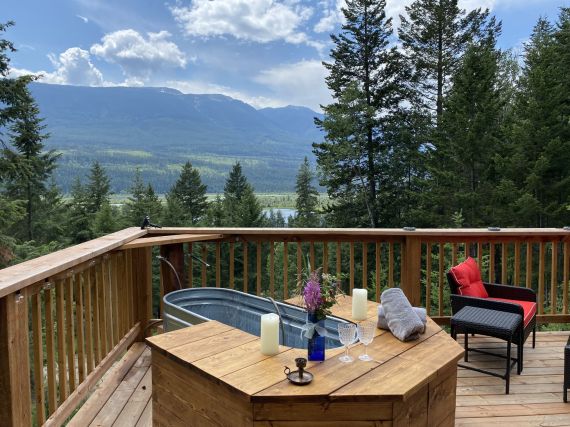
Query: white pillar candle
point(359, 304)
point(270, 334)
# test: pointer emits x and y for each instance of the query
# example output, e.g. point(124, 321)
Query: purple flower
point(312, 294)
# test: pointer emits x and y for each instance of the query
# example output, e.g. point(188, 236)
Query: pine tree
point(242, 209)
point(34, 165)
point(79, 217)
point(434, 36)
point(98, 187)
point(142, 201)
point(365, 82)
point(191, 194)
point(472, 133)
point(105, 220)
point(307, 198)
point(174, 213)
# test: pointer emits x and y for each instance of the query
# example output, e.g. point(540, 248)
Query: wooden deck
point(124, 396)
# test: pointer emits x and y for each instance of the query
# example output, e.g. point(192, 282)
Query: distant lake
point(286, 212)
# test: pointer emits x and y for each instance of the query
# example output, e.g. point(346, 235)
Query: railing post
point(15, 394)
point(141, 273)
point(411, 268)
point(174, 253)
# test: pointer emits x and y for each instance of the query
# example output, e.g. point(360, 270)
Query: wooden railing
point(66, 317)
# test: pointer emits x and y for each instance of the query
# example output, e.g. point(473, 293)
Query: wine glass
point(346, 335)
point(365, 332)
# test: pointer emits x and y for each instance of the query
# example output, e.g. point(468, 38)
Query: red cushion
point(529, 308)
point(468, 277)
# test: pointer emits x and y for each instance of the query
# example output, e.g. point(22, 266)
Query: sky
point(267, 53)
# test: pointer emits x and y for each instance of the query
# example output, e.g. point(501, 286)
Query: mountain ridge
point(157, 129)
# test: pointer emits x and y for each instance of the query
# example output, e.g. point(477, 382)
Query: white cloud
point(72, 67)
point(253, 20)
point(332, 15)
point(83, 18)
point(300, 83)
point(139, 57)
point(200, 87)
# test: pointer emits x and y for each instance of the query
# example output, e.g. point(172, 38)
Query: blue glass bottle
point(316, 345)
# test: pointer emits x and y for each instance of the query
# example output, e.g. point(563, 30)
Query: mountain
point(159, 129)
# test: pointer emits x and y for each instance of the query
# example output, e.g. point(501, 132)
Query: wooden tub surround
point(215, 375)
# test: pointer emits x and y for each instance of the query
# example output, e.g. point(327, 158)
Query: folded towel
point(383, 323)
point(403, 322)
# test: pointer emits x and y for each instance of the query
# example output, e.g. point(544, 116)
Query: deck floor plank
point(535, 398)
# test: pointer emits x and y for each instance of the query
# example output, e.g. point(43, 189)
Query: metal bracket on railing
point(92, 263)
point(47, 286)
point(69, 273)
point(18, 297)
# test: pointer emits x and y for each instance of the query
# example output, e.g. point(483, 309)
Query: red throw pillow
point(468, 277)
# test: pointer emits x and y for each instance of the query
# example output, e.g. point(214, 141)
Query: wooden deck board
point(535, 399)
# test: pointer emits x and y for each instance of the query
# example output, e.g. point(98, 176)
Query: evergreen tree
point(365, 81)
point(98, 187)
point(34, 165)
point(174, 214)
point(191, 194)
point(307, 198)
point(242, 209)
point(143, 201)
point(434, 36)
point(216, 213)
point(79, 215)
point(472, 133)
point(105, 220)
point(541, 133)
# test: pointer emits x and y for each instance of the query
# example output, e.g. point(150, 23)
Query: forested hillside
point(159, 129)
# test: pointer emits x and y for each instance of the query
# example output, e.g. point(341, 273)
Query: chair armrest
point(510, 292)
point(460, 301)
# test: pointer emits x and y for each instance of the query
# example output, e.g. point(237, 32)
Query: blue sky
point(264, 52)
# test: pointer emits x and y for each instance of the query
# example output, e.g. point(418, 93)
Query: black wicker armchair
point(510, 299)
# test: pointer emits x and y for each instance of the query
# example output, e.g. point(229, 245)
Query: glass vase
point(316, 345)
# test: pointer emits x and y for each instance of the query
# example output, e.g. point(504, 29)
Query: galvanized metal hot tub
point(188, 307)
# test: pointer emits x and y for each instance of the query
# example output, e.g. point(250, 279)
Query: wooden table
point(214, 375)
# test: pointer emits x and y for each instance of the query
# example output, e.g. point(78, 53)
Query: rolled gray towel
point(383, 323)
point(403, 322)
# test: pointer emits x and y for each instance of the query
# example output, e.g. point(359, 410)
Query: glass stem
point(346, 351)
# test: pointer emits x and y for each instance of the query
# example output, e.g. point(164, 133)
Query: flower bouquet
point(319, 294)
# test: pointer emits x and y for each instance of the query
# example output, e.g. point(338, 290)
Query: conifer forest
point(431, 125)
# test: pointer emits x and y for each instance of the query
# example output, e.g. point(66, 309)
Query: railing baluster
point(554, 278)
point(191, 266)
point(50, 352)
point(205, 259)
point(70, 332)
point(61, 358)
point(364, 265)
point(218, 264)
point(117, 334)
point(79, 325)
point(232, 266)
point(440, 279)
point(38, 357)
point(97, 344)
point(454, 254)
point(428, 278)
point(338, 259)
point(245, 265)
point(517, 264)
point(541, 262)
point(325, 257)
point(491, 262)
point(351, 270)
point(479, 253)
point(259, 273)
point(566, 254)
point(312, 255)
point(391, 265)
point(272, 269)
point(378, 270)
point(504, 262)
point(528, 277)
point(285, 270)
point(88, 320)
point(299, 262)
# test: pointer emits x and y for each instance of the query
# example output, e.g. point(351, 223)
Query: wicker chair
point(501, 298)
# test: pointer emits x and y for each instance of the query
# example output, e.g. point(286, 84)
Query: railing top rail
point(379, 232)
point(17, 277)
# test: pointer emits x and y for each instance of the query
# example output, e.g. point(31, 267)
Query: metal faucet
point(163, 259)
point(281, 325)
